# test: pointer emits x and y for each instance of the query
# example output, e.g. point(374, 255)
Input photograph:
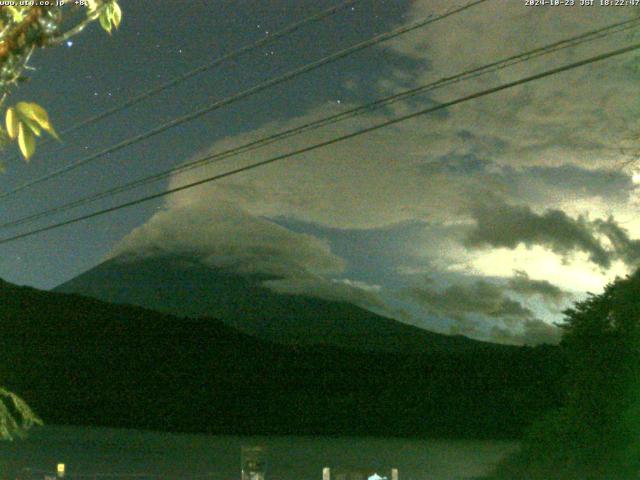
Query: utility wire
point(442, 106)
point(246, 93)
point(332, 119)
point(289, 29)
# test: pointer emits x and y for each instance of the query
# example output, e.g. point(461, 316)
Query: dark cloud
point(522, 284)
point(627, 249)
point(468, 164)
point(468, 304)
point(592, 182)
point(482, 297)
point(536, 182)
point(501, 225)
point(534, 332)
point(347, 291)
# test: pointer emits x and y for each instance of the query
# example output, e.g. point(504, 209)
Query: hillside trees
point(596, 433)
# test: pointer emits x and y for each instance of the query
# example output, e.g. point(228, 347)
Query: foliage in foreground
point(23, 29)
point(596, 433)
point(15, 416)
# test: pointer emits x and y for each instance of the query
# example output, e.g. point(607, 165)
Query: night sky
point(487, 218)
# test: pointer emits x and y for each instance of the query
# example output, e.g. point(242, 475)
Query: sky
point(486, 219)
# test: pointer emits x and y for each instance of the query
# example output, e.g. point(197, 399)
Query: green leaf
point(31, 125)
point(16, 14)
point(26, 141)
point(105, 21)
point(12, 122)
point(115, 14)
point(36, 117)
point(92, 5)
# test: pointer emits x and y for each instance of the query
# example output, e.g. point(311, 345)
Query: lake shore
point(109, 452)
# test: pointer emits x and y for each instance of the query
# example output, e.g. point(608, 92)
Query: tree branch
point(60, 39)
point(12, 43)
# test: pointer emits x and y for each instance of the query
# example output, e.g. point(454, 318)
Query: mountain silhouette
point(187, 287)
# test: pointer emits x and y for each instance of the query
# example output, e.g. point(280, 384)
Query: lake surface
point(97, 451)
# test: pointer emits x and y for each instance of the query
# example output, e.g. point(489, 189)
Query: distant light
point(375, 476)
point(69, 43)
point(60, 469)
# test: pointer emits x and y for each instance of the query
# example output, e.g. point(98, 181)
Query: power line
point(504, 86)
point(289, 29)
point(246, 93)
point(332, 119)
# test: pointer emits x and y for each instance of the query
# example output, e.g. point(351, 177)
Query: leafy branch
point(23, 29)
point(15, 416)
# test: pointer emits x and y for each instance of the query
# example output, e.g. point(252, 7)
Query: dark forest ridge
point(83, 361)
